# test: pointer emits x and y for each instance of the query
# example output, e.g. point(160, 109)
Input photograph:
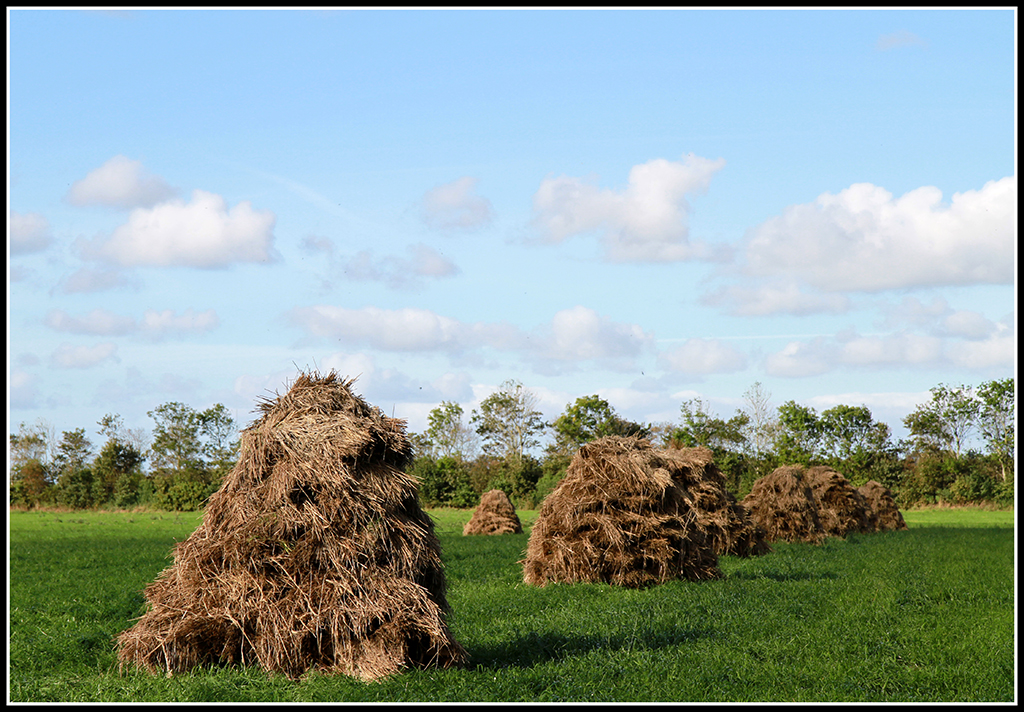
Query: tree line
point(507, 444)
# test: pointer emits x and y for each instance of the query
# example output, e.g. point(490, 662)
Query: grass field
point(921, 615)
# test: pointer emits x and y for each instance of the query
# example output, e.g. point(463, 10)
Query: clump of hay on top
point(623, 514)
point(841, 508)
point(314, 554)
point(494, 515)
point(783, 504)
point(882, 510)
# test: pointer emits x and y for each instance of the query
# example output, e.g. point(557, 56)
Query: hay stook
point(494, 515)
point(882, 510)
point(783, 505)
point(314, 554)
point(841, 508)
point(630, 515)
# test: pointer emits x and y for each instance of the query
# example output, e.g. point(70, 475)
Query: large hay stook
point(313, 554)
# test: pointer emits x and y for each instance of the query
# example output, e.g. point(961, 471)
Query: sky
point(650, 205)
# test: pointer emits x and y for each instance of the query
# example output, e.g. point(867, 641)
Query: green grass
point(920, 615)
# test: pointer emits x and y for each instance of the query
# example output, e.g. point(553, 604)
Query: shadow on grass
point(533, 648)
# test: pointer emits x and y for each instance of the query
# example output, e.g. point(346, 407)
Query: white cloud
point(645, 222)
point(202, 233)
point(399, 272)
point(573, 335)
point(30, 232)
point(798, 358)
point(88, 279)
point(902, 38)
point(939, 319)
point(408, 329)
point(120, 183)
point(782, 298)
point(703, 357)
point(22, 390)
point(580, 333)
point(453, 206)
point(154, 324)
point(67, 356)
point(901, 349)
point(863, 239)
point(98, 322)
point(161, 323)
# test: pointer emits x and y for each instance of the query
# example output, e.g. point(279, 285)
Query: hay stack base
point(313, 555)
point(494, 515)
point(630, 515)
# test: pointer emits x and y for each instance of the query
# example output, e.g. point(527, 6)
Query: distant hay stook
point(314, 554)
point(634, 516)
point(783, 504)
point(841, 508)
point(882, 510)
point(494, 515)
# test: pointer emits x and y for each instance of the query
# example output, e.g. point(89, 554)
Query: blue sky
point(649, 205)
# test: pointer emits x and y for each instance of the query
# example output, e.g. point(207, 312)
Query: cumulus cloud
point(202, 233)
point(902, 38)
point(22, 390)
point(98, 322)
point(120, 183)
point(153, 324)
point(88, 279)
point(30, 232)
point(901, 349)
point(400, 272)
point(775, 298)
point(580, 334)
point(703, 357)
point(68, 356)
point(454, 206)
point(864, 239)
point(648, 221)
point(573, 335)
point(408, 329)
point(938, 318)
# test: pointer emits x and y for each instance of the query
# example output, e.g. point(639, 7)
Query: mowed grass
point(920, 615)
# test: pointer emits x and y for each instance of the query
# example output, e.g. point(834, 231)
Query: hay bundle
point(494, 515)
point(623, 514)
point(313, 554)
point(841, 508)
point(882, 509)
point(783, 504)
point(733, 531)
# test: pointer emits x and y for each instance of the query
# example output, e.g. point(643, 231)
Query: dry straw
point(783, 504)
point(494, 515)
point(314, 554)
point(882, 510)
point(631, 515)
point(841, 508)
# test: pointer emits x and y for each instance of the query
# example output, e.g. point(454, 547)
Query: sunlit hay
point(733, 532)
point(494, 515)
point(841, 508)
point(624, 514)
point(314, 554)
point(783, 505)
point(882, 509)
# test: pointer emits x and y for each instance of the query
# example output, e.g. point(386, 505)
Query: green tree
point(945, 423)
point(447, 435)
point(798, 436)
point(508, 422)
point(31, 472)
point(70, 463)
point(590, 418)
point(700, 426)
point(996, 421)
